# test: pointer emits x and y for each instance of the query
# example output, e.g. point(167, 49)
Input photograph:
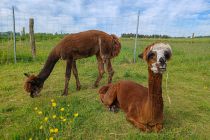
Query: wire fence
point(49, 30)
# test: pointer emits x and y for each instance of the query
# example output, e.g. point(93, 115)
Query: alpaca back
point(88, 43)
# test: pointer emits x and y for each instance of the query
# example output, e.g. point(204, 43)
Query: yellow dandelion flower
point(52, 100)
point(41, 127)
point(56, 130)
point(40, 112)
point(54, 104)
point(35, 108)
point(51, 130)
point(46, 119)
point(61, 117)
point(62, 109)
point(76, 114)
point(51, 138)
point(54, 116)
point(64, 120)
point(30, 139)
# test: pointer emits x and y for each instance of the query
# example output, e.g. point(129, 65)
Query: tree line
point(38, 36)
point(45, 36)
point(130, 35)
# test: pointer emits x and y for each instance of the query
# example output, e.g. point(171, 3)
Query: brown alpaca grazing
point(73, 47)
point(143, 106)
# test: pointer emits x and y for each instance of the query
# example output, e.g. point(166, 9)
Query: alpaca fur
point(73, 47)
point(143, 106)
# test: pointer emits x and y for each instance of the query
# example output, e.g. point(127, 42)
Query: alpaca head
point(33, 85)
point(157, 56)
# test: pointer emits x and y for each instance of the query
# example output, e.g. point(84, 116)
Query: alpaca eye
point(167, 55)
point(150, 55)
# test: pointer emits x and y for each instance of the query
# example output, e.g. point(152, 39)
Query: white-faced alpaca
point(143, 106)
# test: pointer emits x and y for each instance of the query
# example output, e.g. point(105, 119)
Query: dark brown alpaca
point(73, 47)
point(143, 106)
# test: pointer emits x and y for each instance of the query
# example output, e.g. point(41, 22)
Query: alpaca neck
point(49, 65)
point(155, 99)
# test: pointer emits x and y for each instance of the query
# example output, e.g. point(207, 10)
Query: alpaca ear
point(27, 75)
point(140, 55)
point(103, 89)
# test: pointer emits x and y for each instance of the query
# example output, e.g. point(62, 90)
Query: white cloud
point(181, 17)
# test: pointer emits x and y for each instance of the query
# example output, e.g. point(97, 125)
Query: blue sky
point(175, 18)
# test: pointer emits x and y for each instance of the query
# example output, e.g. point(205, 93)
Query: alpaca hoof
point(78, 88)
point(95, 85)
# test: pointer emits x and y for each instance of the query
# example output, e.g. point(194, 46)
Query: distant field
point(187, 117)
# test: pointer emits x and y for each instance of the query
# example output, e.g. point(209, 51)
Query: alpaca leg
point(100, 70)
point(74, 68)
point(67, 76)
point(110, 70)
point(134, 121)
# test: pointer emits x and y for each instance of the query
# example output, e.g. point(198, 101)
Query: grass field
point(187, 117)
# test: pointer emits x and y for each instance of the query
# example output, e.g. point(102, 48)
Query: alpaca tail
point(110, 49)
point(116, 45)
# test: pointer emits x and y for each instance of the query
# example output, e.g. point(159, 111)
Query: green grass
point(187, 117)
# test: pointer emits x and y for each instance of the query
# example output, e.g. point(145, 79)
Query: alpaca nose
point(162, 61)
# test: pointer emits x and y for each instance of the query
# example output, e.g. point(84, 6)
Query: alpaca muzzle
point(162, 65)
point(35, 94)
point(158, 67)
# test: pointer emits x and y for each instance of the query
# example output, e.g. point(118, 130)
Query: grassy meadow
point(81, 115)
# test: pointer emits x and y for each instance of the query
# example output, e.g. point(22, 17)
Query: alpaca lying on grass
point(73, 47)
point(143, 106)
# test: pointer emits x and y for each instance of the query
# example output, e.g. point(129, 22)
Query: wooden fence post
point(137, 28)
point(32, 38)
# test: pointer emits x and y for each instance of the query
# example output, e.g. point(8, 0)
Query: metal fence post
point(14, 35)
point(137, 28)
